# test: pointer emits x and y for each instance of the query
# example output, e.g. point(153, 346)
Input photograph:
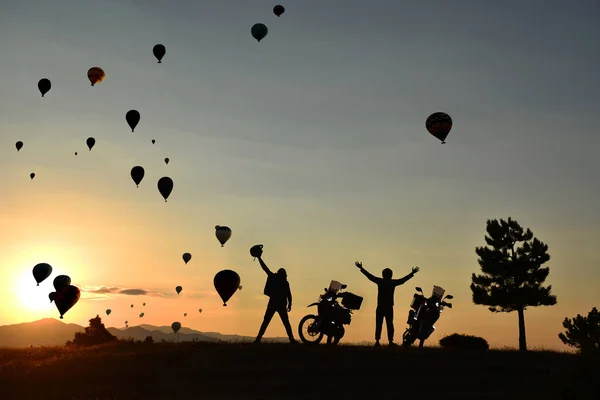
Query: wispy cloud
point(107, 291)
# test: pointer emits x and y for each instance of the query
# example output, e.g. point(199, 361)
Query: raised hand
point(358, 264)
point(415, 270)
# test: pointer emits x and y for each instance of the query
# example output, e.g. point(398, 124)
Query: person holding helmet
point(280, 296)
point(386, 287)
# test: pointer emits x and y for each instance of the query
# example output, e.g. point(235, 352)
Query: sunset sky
point(311, 142)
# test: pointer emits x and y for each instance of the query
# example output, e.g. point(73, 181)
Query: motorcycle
point(423, 314)
point(331, 315)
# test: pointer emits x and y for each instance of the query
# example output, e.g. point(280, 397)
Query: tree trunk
point(522, 338)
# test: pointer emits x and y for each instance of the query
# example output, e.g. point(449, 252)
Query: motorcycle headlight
point(437, 304)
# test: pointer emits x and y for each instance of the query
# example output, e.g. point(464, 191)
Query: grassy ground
point(283, 371)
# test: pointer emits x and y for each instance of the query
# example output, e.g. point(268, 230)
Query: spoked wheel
point(407, 339)
point(307, 331)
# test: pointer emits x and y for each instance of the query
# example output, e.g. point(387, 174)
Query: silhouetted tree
point(149, 340)
point(94, 334)
point(582, 332)
point(512, 276)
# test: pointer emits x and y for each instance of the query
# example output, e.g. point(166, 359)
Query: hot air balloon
point(51, 296)
point(141, 315)
point(41, 271)
point(159, 52)
point(153, 141)
point(137, 174)
point(96, 75)
point(200, 310)
point(66, 298)
point(61, 281)
point(19, 145)
point(240, 287)
point(90, 142)
point(167, 161)
point(165, 187)
point(176, 326)
point(108, 311)
point(278, 10)
point(259, 31)
point(32, 175)
point(126, 322)
point(226, 282)
point(133, 118)
point(185, 314)
point(75, 153)
point(126, 326)
point(178, 289)
point(44, 86)
point(187, 257)
point(223, 234)
point(439, 125)
point(144, 304)
point(256, 250)
point(132, 306)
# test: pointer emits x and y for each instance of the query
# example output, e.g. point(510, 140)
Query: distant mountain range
point(52, 332)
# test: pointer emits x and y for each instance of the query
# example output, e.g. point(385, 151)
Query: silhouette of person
point(386, 287)
point(280, 300)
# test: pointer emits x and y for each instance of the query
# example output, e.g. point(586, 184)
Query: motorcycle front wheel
point(307, 332)
point(407, 339)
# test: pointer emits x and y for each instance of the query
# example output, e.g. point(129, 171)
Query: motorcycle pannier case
point(352, 301)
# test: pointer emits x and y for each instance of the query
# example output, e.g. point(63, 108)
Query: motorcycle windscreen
point(438, 291)
point(334, 286)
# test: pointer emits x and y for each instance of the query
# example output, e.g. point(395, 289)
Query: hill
point(282, 371)
point(53, 332)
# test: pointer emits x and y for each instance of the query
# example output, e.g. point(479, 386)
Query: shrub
point(464, 342)
point(94, 334)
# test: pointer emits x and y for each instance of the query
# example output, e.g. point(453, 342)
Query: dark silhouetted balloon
point(19, 145)
point(200, 310)
point(167, 161)
point(126, 322)
point(108, 311)
point(32, 175)
point(187, 257)
point(44, 86)
point(66, 298)
point(41, 271)
point(141, 315)
point(259, 31)
point(153, 141)
point(133, 118)
point(90, 142)
point(185, 314)
point(226, 282)
point(75, 153)
point(256, 250)
point(178, 289)
point(132, 306)
point(159, 52)
point(439, 125)
point(137, 174)
point(176, 326)
point(51, 296)
point(61, 281)
point(223, 233)
point(96, 75)
point(278, 10)
point(144, 304)
point(165, 187)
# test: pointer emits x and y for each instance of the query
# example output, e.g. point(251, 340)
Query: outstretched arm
point(264, 266)
point(366, 273)
point(398, 282)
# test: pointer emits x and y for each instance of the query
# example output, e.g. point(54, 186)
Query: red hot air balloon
point(227, 283)
point(66, 298)
point(96, 75)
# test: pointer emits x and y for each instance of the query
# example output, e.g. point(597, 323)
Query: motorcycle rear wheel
point(407, 339)
point(306, 330)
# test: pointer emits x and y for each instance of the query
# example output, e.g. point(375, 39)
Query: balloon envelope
point(167, 161)
point(178, 289)
point(439, 125)
point(133, 118)
point(278, 10)
point(32, 175)
point(187, 257)
point(96, 75)
point(223, 234)
point(226, 282)
point(41, 271)
point(259, 31)
point(51, 296)
point(165, 187)
point(159, 52)
point(176, 326)
point(137, 174)
point(108, 311)
point(66, 298)
point(44, 86)
point(19, 145)
point(90, 142)
point(61, 281)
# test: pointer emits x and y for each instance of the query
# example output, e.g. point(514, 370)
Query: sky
point(311, 142)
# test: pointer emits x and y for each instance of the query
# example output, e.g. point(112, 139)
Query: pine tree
point(582, 332)
point(512, 272)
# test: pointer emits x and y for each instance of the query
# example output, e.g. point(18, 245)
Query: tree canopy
point(582, 332)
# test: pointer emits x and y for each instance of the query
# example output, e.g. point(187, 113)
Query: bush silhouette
point(582, 332)
point(464, 342)
point(94, 334)
point(149, 340)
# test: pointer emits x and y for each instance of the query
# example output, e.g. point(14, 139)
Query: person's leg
point(378, 324)
point(389, 322)
point(286, 323)
point(267, 319)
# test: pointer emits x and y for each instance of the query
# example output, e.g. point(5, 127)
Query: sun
point(30, 297)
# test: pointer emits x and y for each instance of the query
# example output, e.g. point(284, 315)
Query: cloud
point(117, 290)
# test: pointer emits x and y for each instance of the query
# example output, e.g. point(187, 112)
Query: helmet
point(256, 250)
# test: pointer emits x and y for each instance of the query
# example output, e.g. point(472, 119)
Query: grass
point(282, 371)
